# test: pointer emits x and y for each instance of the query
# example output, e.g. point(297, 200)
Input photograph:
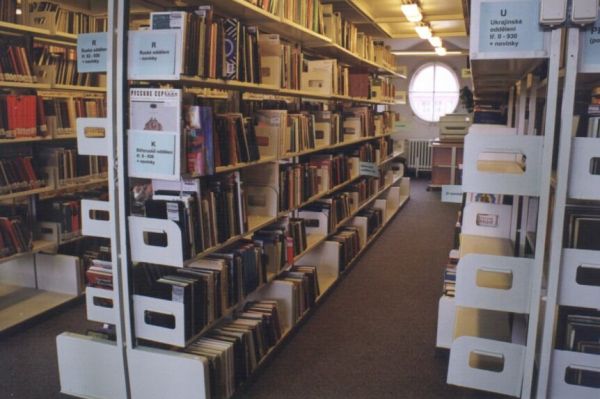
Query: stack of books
point(234, 349)
point(15, 236)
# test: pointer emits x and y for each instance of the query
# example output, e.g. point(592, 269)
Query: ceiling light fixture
point(441, 51)
point(411, 12)
point(423, 31)
point(435, 41)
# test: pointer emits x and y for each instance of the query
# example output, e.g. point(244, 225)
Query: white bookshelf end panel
point(19, 271)
point(502, 164)
point(90, 367)
point(571, 374)
point(99, 304)
point(445, 324)
point(316, 222)
point(361, 223)
point(486, 364)
point(393, 200)
point(159, 374)
point(93, 137)
point(381, 204)
point(59, 273)
point(94, 214)
point(283, 293)
point(172, 333)
point(494, 282)
point(584, 174)
point(326, 257)
point(262, 200)
point(577, 287)
point(405, 187)
point(488, 220)
point(140, 228)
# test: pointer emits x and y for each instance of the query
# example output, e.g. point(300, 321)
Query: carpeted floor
point(373, 337)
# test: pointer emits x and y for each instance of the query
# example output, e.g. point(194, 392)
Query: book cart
point(37, 278)
point(491, 325)
point(149, 359)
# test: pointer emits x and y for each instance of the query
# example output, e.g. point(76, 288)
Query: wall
point(416, 127)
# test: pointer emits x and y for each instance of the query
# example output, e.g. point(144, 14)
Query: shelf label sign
point(452, 193)
point(590, 49)
point(368, 169)
point(506, 26)
point(154, 54)
point(92, 51)
point(153, 155)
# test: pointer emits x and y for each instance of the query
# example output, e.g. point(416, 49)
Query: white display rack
point(495, 283)
point(574, 181)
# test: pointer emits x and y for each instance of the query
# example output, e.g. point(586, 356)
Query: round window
point(433, 91)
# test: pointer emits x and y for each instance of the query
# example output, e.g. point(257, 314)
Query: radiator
point(419, 155)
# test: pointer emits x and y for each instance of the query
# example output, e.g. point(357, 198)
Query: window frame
point(415, 75)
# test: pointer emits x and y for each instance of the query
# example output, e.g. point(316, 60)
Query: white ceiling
point(445, 17)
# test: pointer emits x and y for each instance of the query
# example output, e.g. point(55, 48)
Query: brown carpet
point(373, 337)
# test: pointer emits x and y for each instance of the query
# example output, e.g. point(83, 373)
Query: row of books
point(281, 242)
point(449, 286)
point(318, 174)
point(15, 235)
point(335, 208)
point(99, 274)
point(349, 240)
point(346, 34)
point(582, 227)
point(281, 63)
point(8, 11)
point(61, 19)
point(60, 63)
point(208, 213)
point(45, 114)
point(234, 349)
point(70, 165)
point(579, 331)
point(211, 46)
point(60, 113)
point(208, 287)
point(19, 174)
point(376, 151)
point(15, 64)
point(21, 116)
point(213, 140)
point(307, 13)
point(64, 211)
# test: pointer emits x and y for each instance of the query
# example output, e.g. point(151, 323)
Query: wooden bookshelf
point(26, 193)
point(38, 246)
point(19, 304)
point(24, 85)
point(39, 33)
point(25, 140)
point(93, 89)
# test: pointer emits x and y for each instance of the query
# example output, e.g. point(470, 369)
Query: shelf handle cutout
point(494, 278)
point(595, 166)
point(157, 319)
point(584, 376)
point(505, 162)
point(588, 275)
point(488, 361)
point(96, 218)
point(157, 241)
point(93, 137)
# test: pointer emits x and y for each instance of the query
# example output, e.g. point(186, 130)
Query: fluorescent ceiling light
point(441, 51)
point(412, 12)
point(435, 41)
point(425, 53)
point(424, 31)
